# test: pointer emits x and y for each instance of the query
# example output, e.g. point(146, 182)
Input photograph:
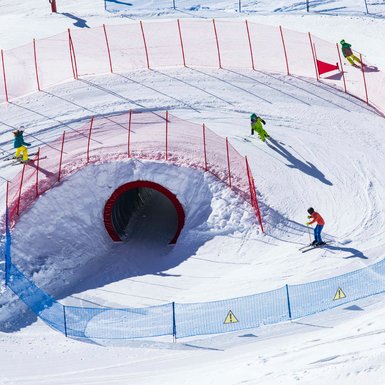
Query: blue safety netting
point(183, 320)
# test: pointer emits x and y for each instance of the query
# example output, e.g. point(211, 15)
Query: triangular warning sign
point(339, 295)
point(230, 318)
point(324, 67)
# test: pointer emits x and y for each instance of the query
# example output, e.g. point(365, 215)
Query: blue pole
point(239, 6)
point(173, 2)
point(173, 322)
point(7, 249)
point(65, 321)
point(288, 301)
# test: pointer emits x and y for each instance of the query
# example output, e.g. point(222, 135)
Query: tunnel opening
point(143, 210)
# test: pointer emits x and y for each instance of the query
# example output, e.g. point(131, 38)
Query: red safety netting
point(186, 42)
point(157, 136)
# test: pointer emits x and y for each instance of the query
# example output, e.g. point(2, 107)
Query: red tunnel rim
point(137, 184)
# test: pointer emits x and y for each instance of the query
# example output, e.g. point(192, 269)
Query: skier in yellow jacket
point(256, 125)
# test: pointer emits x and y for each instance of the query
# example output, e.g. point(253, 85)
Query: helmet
point(253, 117)
point(310, 210)
point(342, 42)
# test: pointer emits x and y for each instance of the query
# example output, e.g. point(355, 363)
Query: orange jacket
point(316, 218)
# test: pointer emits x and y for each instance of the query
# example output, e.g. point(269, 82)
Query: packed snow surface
point(326, 150)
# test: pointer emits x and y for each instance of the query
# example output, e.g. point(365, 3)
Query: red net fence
point(221, 43)
point(146, 135)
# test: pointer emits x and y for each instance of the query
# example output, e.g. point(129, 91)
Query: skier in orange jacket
point(316, 217)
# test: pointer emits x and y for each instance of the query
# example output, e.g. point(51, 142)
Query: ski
point(311, 247)
point(13, 157)
point(17, 161)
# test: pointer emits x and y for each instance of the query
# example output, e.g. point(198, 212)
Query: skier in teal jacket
point(256, 125)
point(20, 145)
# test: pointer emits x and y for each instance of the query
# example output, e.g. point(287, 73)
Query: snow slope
point(319, 156)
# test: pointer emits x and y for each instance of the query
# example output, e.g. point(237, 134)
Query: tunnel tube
point(133, 201)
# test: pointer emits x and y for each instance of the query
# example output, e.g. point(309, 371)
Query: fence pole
point(129, 134)
point(250, 46)
point(363, 75)
point(166, 135)
point(20, 188)
point(108, 47)
point(228, 160)
point(173, 2)
point(204, 145)
point(7, 247)
point(73, 56)
point(61, 155)
point(253, 194)
point(4, 77)
point(145, 44)
point(314, 56)
point(288, 301)
point(65, 321)
point(342, 68)
point(173, 322)
point(181, 42)
point(36, 69)
point(239, 6)
point(216, 38)
point(89, 140)
point(37, 172)
point(284, 50)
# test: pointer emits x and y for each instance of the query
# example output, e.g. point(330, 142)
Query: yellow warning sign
point(339, 295)
point(230, 318)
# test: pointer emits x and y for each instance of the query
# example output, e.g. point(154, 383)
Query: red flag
point(326, 67)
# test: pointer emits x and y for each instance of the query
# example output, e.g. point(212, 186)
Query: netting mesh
point(156, 136)
point(197, 43)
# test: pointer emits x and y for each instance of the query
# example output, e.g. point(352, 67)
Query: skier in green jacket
point(256, 125)
point(348, 53)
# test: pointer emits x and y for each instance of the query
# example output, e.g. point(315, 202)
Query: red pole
point(108, 47)
point(36, 70)
point(314, 56)
point(37, 172)
point(284, 50)
point(53, 6)
point(342, 68)
point(20, 188)
point(204, 145)
point(5, 78)
point(363, 75)
point(73, 56)
point(129, 134)
point(145, 45)
point(228, 160)
point(89, 140)
point(166, 135)
point(61, 155)
point(181, 42)
point(253, 194)
point(216, 38)
point(251, 48)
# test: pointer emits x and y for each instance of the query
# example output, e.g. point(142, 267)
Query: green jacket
point(346, 50)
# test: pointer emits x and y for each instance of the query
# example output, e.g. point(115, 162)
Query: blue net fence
point(184, 320)
point(368, 7)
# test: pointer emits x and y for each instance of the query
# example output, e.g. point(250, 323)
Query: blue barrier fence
point(184, 320)
point(369, 7)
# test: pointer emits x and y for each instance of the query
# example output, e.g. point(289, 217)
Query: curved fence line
point(146, 135)
point(191, 319)
point(221, 43)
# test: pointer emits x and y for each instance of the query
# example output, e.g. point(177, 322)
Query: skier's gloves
point(307, 223)
point(309, 216)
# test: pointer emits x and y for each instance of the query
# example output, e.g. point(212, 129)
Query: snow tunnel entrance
point(143, 210)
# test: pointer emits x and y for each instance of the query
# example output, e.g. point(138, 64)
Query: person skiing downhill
point(348, 53)
point(256, 125)
point(20, 145)
point(316, 217)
